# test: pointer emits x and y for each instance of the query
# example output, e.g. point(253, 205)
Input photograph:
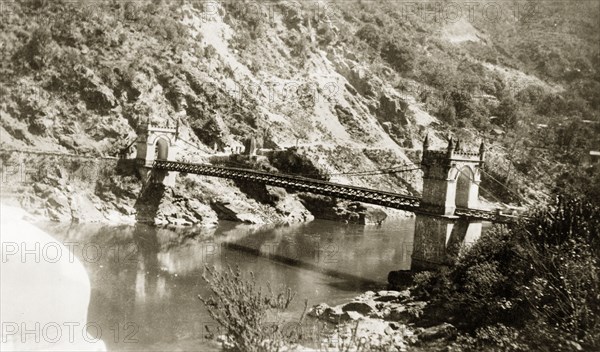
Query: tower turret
point(482, 151)
point(450, 149)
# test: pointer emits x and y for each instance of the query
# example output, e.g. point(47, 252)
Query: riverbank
point(386, 320)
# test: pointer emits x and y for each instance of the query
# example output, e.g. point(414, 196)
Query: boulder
point(352, 315)
point(398, 313)
point(54, 290)
point(393, 109)
point(235, 212)
point(125, 209)
point(360, 307)
point(97, 95)
point(390, 330)
point(391, 296)
point(42, 189)
point(372, 216)
point(443, 331)
point(318, 310)
point(334, 315)
point(178, 221)
point(387, 126)
point(250, 218)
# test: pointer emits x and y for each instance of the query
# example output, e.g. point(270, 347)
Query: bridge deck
point(304, 184)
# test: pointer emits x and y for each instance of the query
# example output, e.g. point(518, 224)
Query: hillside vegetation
point(355, 84)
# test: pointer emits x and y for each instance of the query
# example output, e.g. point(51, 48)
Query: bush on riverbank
point(247, 313)
point(532, 285)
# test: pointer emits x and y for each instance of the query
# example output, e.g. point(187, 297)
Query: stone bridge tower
point(157, 142)
point(451, 179)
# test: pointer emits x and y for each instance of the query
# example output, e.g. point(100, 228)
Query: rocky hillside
point(352, 85)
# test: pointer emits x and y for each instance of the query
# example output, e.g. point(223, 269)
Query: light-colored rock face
point(45, 291)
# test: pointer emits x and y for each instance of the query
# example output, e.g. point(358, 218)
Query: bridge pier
point(150, 175)
point(439, 240)
point(451, 179)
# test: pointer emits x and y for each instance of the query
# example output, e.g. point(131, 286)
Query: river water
point(145, 280)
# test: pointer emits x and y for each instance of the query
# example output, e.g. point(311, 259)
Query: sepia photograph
point(300, 175)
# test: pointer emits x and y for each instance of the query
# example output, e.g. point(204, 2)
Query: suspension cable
point(392, 170)
point(505, 187)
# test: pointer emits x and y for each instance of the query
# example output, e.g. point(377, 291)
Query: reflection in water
point(145, 280)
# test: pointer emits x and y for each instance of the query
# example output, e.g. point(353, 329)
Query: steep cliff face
point(80, 77)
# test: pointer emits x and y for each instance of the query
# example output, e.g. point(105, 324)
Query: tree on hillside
point(507, 111)
point(39, 49)
point(370, 34)
point(462, 102)
point(399, 55)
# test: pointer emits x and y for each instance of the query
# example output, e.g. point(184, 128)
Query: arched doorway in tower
point(161, 149)
point(464, 183)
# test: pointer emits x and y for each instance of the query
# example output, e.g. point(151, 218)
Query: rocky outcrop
point(385, 320)
point(58, 206)
point(235, 211)
point(70, 189)
point(83, 209)
point(393, 109)
point(94, 91)
point(360, 77)
point(162, 205)
point(327, 208)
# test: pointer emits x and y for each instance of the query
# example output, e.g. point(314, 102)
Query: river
point(145, 280)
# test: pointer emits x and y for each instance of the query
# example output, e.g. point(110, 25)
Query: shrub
point(325, 33)
point(399, 55)
point(541, 276)
point(552, 105)
point(507, 111)
point(370, 34)
point(40, 49)
point(491, 338)
point(243, 308)
point(531, 94)
point(299, 44)
point(249, 13)
point(447, 113)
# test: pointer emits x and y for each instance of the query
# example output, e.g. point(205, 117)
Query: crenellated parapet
point(474, 156)
point(148, 128)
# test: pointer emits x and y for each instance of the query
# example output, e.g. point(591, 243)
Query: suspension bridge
point(451, 178)
point(449, 212)
point(315, 186)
